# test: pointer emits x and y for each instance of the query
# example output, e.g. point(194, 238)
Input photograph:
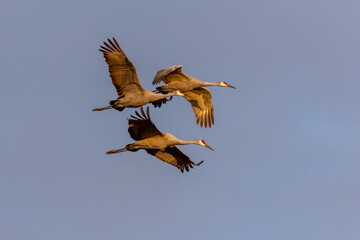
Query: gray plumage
point(161, 145)
point(123, 75)
point(193, 89)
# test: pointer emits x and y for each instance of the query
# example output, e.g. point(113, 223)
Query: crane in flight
point(123, 75)
point(193, 90)
point(161, 145)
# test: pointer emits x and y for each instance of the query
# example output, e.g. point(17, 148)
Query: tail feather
point(116, 151)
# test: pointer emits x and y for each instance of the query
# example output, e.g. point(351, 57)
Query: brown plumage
point(200, 99)
point(157, 143)
point(175, 157)
point(193, 90)
point(124, 78)
point(171, 74)
point(122, 71)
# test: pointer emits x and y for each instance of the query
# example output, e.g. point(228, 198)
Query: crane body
point(124, 78)
point(193, 89)
point(161, 145)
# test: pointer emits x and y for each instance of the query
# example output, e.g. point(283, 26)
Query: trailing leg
point(100, 109)
point(129, 147)
point(116, 151)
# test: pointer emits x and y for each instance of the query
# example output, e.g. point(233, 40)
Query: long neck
point(198, 83)
point(210, 84)
point(181, 142)
point(170, 94)
point(157, 96)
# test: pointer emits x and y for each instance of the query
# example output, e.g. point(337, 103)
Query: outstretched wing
point(141, 126)
point(175, 157)
point(122, 71)
point(170, 74)
point(200, 99)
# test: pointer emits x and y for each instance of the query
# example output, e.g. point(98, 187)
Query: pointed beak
point(208, 147)
point(231, 86)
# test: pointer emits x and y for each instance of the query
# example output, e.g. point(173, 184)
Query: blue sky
point(286, 160)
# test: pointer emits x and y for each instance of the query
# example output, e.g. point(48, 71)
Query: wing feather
point(122, 71)
point(175, 157)
point(142, 127)
point(171, 74)
point(200, 99)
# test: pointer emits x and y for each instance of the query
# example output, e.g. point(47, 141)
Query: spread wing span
point(175, 157)
point(122, 71)
point(141, 126)
point(200, 99)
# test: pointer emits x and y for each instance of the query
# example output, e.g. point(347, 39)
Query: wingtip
point(148, 113)
point(199, 163)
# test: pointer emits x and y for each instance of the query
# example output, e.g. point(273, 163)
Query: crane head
point(179, 93)
point(202, 143)
point(224, 84)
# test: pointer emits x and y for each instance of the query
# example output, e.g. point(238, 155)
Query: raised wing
point(122, 71)
point(141, 127)
point(170, 74)
point(200, 99)
point(175, 157)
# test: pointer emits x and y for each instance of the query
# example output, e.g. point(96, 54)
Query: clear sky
point(287, 140)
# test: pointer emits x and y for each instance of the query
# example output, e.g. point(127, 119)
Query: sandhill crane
point(193, 89)
point(156, 143)
point(123, 75)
